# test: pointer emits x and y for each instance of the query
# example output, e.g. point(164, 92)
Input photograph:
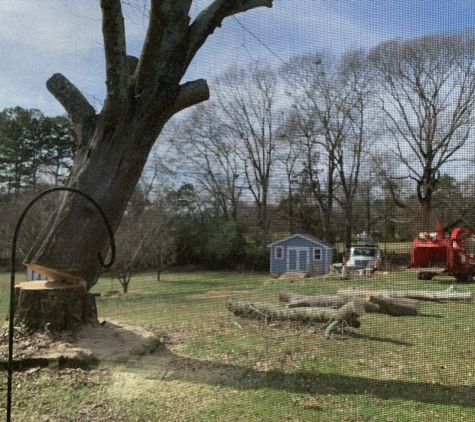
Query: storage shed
point(33, 275)
point(302, 253)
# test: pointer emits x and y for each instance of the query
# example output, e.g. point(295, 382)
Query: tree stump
point(53, 306)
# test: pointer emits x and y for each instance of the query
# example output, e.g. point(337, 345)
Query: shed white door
point(297, 259)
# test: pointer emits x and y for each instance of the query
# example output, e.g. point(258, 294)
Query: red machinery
point(433, 254)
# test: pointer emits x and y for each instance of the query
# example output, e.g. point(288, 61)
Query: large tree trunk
point(67, 247)
point(113, 146)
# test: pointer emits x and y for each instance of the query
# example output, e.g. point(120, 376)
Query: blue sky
point(42, 37)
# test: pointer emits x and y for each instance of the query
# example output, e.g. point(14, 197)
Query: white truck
point(365, 254)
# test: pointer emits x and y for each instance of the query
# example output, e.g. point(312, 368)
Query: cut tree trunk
point(67, 247)
point(349, 313)
point(436, 296)
point(396, 306)
point(371, 303)
point(114, 144)
point(53, 306)
point(66, 251)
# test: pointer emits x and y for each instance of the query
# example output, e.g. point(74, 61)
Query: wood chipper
point(434, 254)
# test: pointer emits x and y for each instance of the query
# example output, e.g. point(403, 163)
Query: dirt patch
point(136, 355)
point(108, 342)
point(218, 294)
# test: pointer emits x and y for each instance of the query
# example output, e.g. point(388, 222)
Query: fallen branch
point(349, 313)
point(375, 304)
point(295, 300)
point(436, 296)
point(396, 306)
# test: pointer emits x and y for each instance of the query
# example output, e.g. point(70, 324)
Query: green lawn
point(232, 369)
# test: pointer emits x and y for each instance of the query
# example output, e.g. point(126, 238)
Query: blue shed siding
point(297, 253)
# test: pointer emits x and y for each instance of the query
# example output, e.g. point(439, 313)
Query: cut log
point(436, 296)
point(374, 304)
point(274, 312)
point(295, 300)
point(396, 306)
point(53, 306)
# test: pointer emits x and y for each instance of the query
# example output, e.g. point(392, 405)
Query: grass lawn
point(230, 369)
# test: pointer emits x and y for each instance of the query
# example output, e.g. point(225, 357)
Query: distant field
point(396, 247)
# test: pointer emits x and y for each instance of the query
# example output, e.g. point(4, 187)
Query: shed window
point(278, 252)
point(317, 253)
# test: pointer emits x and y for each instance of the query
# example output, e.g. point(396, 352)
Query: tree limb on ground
point(266, 311)
point(371, 303)
point(436, 296)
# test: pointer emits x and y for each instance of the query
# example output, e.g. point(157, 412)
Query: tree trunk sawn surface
point(53, 306)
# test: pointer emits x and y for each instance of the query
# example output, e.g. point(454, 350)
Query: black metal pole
point(12, 275)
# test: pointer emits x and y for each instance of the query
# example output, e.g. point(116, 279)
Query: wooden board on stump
point(52, 305)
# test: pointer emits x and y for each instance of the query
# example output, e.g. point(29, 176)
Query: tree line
point(331, 146)
point(376, 140)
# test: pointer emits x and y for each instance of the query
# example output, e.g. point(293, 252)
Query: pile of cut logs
point(343, 308)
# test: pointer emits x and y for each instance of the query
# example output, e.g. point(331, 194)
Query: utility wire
point(258, 39)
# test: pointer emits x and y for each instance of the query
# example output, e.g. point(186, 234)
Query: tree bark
point(349, 313)
point(435, 296)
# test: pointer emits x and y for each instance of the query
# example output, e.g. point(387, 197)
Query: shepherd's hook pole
point(12, 274)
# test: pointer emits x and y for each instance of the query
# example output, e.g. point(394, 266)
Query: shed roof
point(308, 237)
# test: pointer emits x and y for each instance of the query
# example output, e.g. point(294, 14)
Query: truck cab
point(365, 253)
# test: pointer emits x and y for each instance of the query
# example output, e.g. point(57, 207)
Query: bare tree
point(248, 99)
point(289, 154)
point(113, 145)
point(210, 151)
point(330, 100)
point(427, 97)
point(145, 238)
point(353, 102)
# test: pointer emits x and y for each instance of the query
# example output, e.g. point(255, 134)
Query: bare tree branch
point(191, 93)
point(149, 59)
point(167, 29)
point(115, 51)
point(70, 98)
point(211, 18)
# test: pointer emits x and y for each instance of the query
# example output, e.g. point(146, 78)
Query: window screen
point(243, 156)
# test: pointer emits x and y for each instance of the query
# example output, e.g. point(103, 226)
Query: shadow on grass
point(381, 339)
point(314, 382)
point(151, 359)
